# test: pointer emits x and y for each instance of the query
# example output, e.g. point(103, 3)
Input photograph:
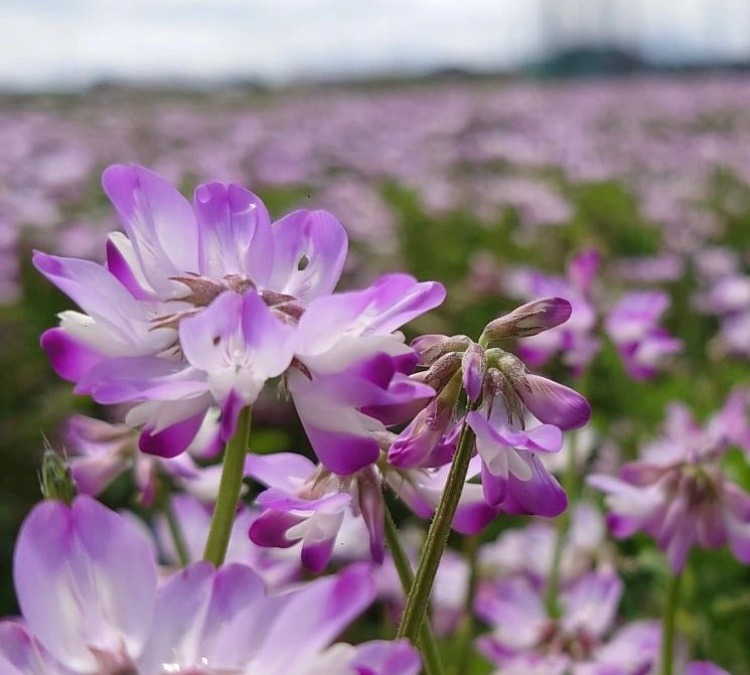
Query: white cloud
point(71, 42)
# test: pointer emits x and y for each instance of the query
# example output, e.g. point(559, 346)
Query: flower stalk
point(229, 491)
point(668, 624)
point(427, 644)
point(437, 537)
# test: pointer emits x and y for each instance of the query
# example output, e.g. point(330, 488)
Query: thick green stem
point(175, 531)
point(437, 537)
point(427, 644)
point(229, 491)
point(466, 629)
point(668, 624)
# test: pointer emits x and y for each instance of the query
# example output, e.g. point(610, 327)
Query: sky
point(60, 44)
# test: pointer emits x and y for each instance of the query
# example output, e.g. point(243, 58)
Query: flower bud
point(473, 367)
point(530, 319)
point(441, 371)
point(56, 479)
point(429, 348)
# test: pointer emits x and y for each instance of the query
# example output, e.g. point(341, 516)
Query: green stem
point(229, 491)
point(466, 629)
point(668, 624)
point(561, 531)
point(175, 531)
point(437, 537)
point(427, 644)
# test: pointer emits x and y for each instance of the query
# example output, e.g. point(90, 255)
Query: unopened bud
point(429, 348)
point(56, 479)
point(530, 319)
point(510, 365)
point(441, 372)
point(473, 369)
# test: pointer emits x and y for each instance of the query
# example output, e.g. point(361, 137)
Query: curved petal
point(239, 344)
point(285, 470)
point(193, 609)
point(234, 232)
point(387, 304)
point(70, 358)
point(554, 403)
point(590, 605)
point(172, 440)
point(69, 567)
point(311, 618)
point(21, 653)
point(111, 307)
point(159, 222)
point(387, 657)
point(540, 495)
point(309, 253)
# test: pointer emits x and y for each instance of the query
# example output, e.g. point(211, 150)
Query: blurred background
point(461, 141)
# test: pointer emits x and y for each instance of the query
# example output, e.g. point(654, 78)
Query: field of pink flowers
point(599, 231)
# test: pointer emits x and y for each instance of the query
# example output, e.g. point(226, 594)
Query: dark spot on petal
point(302, 263)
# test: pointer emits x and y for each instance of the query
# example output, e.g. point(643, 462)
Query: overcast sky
point(68, 43)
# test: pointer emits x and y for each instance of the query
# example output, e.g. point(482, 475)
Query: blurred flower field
point(629, 198)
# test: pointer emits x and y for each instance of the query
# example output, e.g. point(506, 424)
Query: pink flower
point(641, 342)
point(87, 586)
point(678, 493)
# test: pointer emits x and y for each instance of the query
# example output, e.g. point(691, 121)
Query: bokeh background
point(460, 141)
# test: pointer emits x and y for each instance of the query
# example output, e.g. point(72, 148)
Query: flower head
point(677, 491)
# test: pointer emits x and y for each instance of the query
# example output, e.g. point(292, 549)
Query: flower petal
point(309, 253)
point(554, 403)
point(68, 568)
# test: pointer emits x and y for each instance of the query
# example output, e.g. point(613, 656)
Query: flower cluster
point(678, 492)
point(198, 306)
point(632, 324)
point(80, 617)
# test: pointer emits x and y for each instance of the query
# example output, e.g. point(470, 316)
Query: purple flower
point(86, 583)
point(632, 650)
point(354, 376)
point(421, 490)
point(678, 493)
point(198, 306)
point(422, 442)
point(575, 339)
point(308, 504)
point(530, 551)
point(224, 254)
point(513, 478)
point(276, 568)
point(524, 633)
point(102, 451)
point(70, 568)
point(641, 343)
